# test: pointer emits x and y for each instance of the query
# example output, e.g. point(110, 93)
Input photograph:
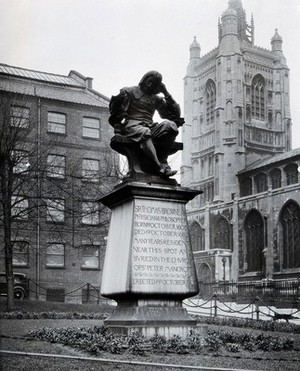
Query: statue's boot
point(166, 171)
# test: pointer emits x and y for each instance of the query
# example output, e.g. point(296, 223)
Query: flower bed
point(254, 324)
point(24, 314)
point(97, 339)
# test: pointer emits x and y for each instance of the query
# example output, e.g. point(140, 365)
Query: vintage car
point(21, 285)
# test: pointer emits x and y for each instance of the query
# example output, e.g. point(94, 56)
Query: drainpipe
point(38, 237)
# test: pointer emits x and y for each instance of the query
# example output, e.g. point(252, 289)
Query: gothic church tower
point(237, 108)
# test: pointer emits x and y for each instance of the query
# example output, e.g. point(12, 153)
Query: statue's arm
point(118, 108)
point(168, 108)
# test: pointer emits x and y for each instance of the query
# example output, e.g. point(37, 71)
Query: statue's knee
point(171, 126)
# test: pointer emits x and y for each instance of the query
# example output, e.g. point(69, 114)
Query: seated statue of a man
point(132, 111)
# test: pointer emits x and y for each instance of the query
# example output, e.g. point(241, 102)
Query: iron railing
point(281, 293)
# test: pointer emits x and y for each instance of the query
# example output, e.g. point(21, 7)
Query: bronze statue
point(131, 115)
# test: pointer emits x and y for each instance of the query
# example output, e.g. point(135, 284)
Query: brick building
point(245, 226)
point(59, 229)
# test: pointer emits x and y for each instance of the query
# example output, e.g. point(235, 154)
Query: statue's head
point(150, 82)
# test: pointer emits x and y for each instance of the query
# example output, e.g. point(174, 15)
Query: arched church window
point(240, 113)
point(222, 234)
point(254, 229)
point(275, 175)
point(229, 111)
point(197, 237)
point(204, 276)
point(270, 119)
point(261, 183)
point(291, 172)
point(290, 222)
point(246, 187)
point(248, 114)
point(210, 102)
point(258, 98)
point(270, 98)
point(278, 121)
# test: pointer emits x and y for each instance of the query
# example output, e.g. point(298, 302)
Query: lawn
point(12, 329)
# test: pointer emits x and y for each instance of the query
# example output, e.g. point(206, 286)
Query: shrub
point(97, 339)
point(195, 341)
point(250, 323)
point(233, 347)
point(158, 343)
point(213, 341)
point(23, 314)
point(176, 345)
point(137, 343)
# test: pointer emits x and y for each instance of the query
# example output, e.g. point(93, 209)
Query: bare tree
point(17, 145)
point(30, 184)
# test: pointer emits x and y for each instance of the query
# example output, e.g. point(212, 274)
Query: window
point(210, 165)
point(56, 166)
point(258, 98)
point(197, 237)
point(21, 161)
point(275, 175)
point(90, 170)
point(20, 254)
point(290, 222)
point(261, 183)
point(222, 234)
point(91, 127)
point(254, 228)
point(55, 255)
point(90, 213)
point(57, 122)
point(90, 257)
point(246, 187)
point(19, 207)
point(55, 211)
point(205, 276)
point(291, 172)
point(55, 295)
point(210, 102)
point(211, 191)
point(19, 117)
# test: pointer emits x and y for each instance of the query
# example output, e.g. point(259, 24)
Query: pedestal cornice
point(129, 190)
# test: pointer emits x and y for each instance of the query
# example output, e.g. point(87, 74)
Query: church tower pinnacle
point(229, 43)
point(236, 107)
point(276, 42)
point(195, 49)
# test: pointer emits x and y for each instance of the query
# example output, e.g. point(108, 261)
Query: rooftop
point(37, 75)
point(272, 160)
point(74, 88)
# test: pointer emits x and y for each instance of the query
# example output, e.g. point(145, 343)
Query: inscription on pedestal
point(161, 260)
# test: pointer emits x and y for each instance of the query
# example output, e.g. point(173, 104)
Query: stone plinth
point(149, 267)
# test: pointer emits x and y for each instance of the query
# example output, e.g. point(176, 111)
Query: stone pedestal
point(149, 267)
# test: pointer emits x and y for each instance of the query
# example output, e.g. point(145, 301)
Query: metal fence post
point(215, 305)
point(257, 308)
point(88, 289)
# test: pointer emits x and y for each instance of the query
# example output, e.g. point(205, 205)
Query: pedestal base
point(149, 267)
point(150, 321)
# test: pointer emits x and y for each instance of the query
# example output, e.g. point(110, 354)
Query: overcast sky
point(116, 41)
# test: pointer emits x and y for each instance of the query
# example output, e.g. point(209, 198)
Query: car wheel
point(19, 294)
